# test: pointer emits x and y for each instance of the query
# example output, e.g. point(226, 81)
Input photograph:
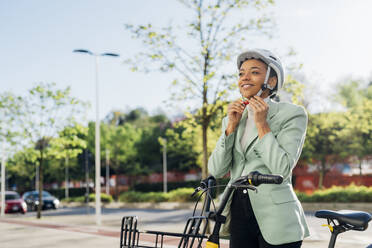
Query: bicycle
point(194, 232)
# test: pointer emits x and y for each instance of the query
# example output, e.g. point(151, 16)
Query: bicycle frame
point(194, 233)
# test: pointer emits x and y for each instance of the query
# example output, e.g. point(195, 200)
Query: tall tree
point(71, 142)
point(9, 110)
point(121, 142)
point(46, 111)
point(21, 169)
point(357, 98)
point(199, 51)
point(323, 142)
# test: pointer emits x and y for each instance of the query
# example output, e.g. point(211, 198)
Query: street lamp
point(97, 133)
point(165, 186)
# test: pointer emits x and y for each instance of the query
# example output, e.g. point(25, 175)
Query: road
point(73, 228)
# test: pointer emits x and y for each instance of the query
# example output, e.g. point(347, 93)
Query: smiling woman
point(252, 72)
point(267, 137)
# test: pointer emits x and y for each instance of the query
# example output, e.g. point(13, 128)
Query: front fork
point(219, 219)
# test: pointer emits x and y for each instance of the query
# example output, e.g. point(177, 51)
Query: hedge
point(351, 193)
point(72, 192)
point(104, 198)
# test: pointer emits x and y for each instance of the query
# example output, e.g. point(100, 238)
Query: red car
point(14, 203)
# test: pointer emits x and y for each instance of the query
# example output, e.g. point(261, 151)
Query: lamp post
point(107, 171)
point(3, 180)
point(97, 133)
point(165, 186)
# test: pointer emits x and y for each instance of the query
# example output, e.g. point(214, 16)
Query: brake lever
point(241, 180)
point(196, 191)
point(253, 188)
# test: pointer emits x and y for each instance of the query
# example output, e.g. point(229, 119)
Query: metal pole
point(107, 171)
point(165, 188)
point(3, 181)
point(87, 181)
point(98, 155)
point(66, 178)
point(37, 177)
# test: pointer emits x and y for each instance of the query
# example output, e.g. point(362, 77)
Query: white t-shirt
point(249, 126)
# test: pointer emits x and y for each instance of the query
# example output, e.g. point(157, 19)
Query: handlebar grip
point(255, 178)
point(208, 182)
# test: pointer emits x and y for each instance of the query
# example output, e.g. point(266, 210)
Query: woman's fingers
point(237, 109)
point(237, 106)
point(258, 104)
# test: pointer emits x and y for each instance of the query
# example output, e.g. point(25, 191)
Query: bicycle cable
point(210, 197)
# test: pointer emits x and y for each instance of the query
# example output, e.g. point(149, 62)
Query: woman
point(263, 136)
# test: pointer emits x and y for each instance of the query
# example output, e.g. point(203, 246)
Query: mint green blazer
point(278, 212)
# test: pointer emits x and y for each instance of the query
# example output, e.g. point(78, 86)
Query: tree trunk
point(360, 167)
point(40, 206)
point(116, 186)
point(66, 179)
point(205, 151)
point(322, 174)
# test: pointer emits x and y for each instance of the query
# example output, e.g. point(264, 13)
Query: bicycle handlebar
point(255, 178)
point(250, 181)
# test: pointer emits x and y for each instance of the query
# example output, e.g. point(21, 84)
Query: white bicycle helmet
point(272, 61)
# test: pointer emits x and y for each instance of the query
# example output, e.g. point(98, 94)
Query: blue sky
point(332, 39)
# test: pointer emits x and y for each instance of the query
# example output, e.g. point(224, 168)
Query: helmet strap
point(265, 84)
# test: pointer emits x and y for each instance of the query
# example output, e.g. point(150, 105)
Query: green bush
point(351, 193)
point(80, 199)
point(133, 196)
point(92, 197)
point(104, 198)
point(72, 192)
point(182, 195)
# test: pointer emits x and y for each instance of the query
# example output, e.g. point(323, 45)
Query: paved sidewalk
point(79, 231)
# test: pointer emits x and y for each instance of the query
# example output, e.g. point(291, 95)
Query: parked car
point(32, 200)
point(14, 203)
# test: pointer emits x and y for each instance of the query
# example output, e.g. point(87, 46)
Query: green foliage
point(132, 141)
point(338, 135)
point(120, 141)
point(104, 198)
point(73, 192)
point(351, 193)
point(181, 195)
point(295, 89)
point(92, 197)
point(132, 196)
point(357, 134)
point(42, 113)
point(70, 142)
point(9, 119)
point(323, 142)
point(21, 169)
point(215, 40)
point(185, 148)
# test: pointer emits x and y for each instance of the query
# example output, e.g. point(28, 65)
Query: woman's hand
point(234, 113)
point(260, 109)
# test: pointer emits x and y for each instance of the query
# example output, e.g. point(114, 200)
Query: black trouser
point(244, 230)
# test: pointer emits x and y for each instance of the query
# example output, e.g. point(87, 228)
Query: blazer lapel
point(273, 109)
point(240, 131)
